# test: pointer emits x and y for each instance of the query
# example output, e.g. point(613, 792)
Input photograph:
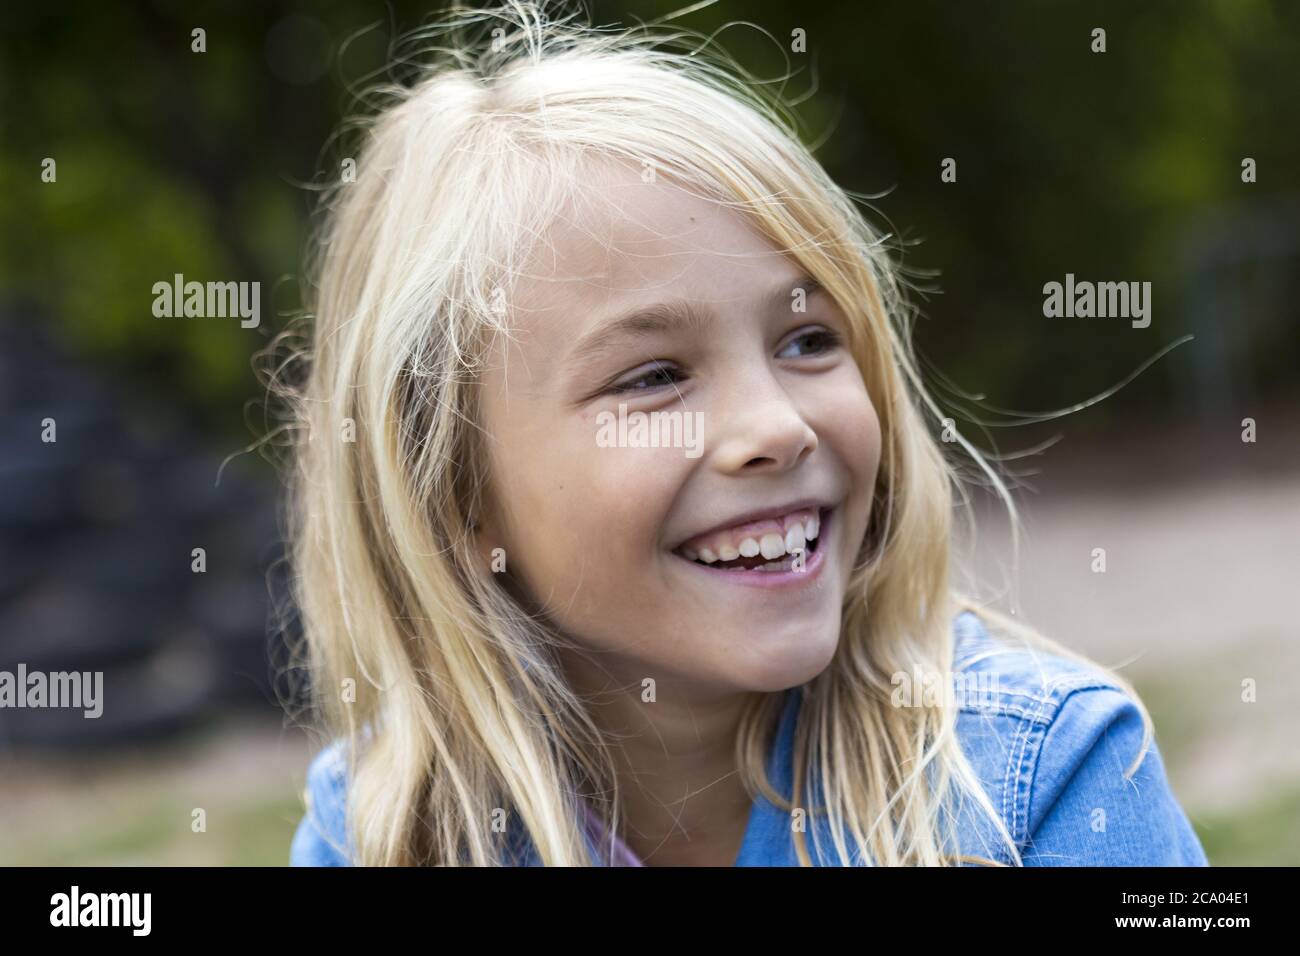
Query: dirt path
point(1201, 591)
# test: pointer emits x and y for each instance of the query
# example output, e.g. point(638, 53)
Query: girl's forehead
point(629, 237)
point(624, 244)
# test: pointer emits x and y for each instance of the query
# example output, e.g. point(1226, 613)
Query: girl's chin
point(779, 668)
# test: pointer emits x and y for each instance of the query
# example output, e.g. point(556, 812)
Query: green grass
point(157, 832)
point(1267, 833)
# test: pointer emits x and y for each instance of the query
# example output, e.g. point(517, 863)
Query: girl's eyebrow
point(672, 316)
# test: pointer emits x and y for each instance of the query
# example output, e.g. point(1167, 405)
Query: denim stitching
point(1085, 681)
point(1006, 779)
point(1070, 686)
point(1015, 816)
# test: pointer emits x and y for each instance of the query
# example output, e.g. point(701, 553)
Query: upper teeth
point(788, 534)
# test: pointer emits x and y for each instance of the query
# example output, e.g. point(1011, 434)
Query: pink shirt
point(623, 854)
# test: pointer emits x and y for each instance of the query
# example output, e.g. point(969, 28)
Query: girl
point(545, 633)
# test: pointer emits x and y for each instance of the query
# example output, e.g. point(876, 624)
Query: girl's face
point(676, 309)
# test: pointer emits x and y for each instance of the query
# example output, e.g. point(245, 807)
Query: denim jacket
point(1048, 738)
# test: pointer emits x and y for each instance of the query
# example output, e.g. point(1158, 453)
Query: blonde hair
point(461, 709)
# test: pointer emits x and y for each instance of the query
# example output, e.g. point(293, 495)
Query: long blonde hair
point(447, 692)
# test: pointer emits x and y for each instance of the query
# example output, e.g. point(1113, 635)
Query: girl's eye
point(814, 342)
point(648, 380)
point(819, 341)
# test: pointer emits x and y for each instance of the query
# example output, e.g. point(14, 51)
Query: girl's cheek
point(868, 431)
point(603, 502)
point(849, 416)
point(636, 488)
point(856, 440)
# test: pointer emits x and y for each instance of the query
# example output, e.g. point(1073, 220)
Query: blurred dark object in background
point(97, 530)
point(1118, 166)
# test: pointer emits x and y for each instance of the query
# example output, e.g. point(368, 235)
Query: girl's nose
point(760, 430)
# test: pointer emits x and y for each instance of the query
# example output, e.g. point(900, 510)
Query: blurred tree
point(1097, 164)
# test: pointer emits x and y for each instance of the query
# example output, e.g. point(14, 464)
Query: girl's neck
point(683, 801)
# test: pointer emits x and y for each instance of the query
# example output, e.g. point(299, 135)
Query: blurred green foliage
point(1103, 165)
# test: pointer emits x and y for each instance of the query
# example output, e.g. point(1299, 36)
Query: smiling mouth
point(758, 564)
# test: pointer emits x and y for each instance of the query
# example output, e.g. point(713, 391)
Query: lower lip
point(774, 579)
